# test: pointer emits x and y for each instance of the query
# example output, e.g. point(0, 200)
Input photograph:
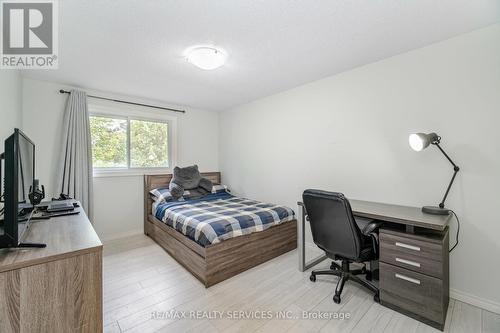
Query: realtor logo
point(29, 34)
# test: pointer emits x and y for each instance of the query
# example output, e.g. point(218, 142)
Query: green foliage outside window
point(148, 143)
point(109, 142)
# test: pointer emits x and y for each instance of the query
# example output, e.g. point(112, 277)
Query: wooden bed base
point(217, 262)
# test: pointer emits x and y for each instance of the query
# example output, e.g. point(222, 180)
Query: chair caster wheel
point(336, 299)
point(312, 278)
point(376, 298)
point(368, 276)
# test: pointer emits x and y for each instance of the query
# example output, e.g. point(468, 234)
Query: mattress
point(220, 216)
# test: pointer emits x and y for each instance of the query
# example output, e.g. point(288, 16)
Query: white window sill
point(129, 173)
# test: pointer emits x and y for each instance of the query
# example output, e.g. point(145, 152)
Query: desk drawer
point(413, 292)
point(415, 263)
point(407, 246)
point(419, 256)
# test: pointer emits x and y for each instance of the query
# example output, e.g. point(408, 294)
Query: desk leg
point(301, 239)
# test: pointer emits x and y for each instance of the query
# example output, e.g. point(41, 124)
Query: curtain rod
point(125, 102)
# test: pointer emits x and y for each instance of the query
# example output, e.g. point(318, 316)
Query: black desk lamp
point(420, 141)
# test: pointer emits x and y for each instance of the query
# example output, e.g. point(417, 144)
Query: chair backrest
point(333, 226)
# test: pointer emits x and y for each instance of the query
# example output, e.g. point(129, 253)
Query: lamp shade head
point(420, 141)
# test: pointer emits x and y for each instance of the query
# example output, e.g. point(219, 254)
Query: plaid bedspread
point(221, 216)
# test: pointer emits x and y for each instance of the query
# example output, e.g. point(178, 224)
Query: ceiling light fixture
point(206, 57)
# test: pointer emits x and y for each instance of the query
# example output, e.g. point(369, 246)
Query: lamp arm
point(455, 168)
point(446, 155)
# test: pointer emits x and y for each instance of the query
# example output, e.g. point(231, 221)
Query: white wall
point(118, 200)
point(349, 133)
point(10, 103)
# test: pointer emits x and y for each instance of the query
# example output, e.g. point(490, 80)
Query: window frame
point(111, 110)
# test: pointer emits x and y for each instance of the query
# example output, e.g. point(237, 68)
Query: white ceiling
point(135, 47)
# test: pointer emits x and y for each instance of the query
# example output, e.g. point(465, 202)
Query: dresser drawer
point(413, 292)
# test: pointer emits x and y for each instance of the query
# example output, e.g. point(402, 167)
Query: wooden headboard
point(156, 181)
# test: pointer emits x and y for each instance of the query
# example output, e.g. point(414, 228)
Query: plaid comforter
point(220, 216)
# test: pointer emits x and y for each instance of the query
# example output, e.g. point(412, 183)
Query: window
point(109, 142)
point(129, 143)
point(148, 144)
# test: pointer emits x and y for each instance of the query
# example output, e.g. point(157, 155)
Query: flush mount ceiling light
point(206, 57)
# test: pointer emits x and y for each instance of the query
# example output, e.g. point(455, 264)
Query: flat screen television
point(19, 175)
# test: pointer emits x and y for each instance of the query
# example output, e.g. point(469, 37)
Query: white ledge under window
point(103, 173)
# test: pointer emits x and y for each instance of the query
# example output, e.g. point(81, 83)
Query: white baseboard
point(476, 301)
point(128, 233)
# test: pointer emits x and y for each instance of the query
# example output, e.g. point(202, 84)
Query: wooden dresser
point(57, 288)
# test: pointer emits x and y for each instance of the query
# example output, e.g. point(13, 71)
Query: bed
point(214, 257)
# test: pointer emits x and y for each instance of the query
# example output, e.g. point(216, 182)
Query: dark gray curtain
point(76, 154)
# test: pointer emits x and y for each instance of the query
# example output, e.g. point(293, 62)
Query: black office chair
point(342, 237)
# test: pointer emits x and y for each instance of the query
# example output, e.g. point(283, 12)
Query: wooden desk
point(414, 259)
point(408, 216)
point(57, 288)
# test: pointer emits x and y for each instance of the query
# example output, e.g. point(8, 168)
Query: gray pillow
point(206, 184)
point(188, 178)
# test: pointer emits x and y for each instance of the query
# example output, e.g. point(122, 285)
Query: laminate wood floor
point(145, 290)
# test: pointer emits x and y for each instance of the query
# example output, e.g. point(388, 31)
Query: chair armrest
point(371, 227)
point(371, 230)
